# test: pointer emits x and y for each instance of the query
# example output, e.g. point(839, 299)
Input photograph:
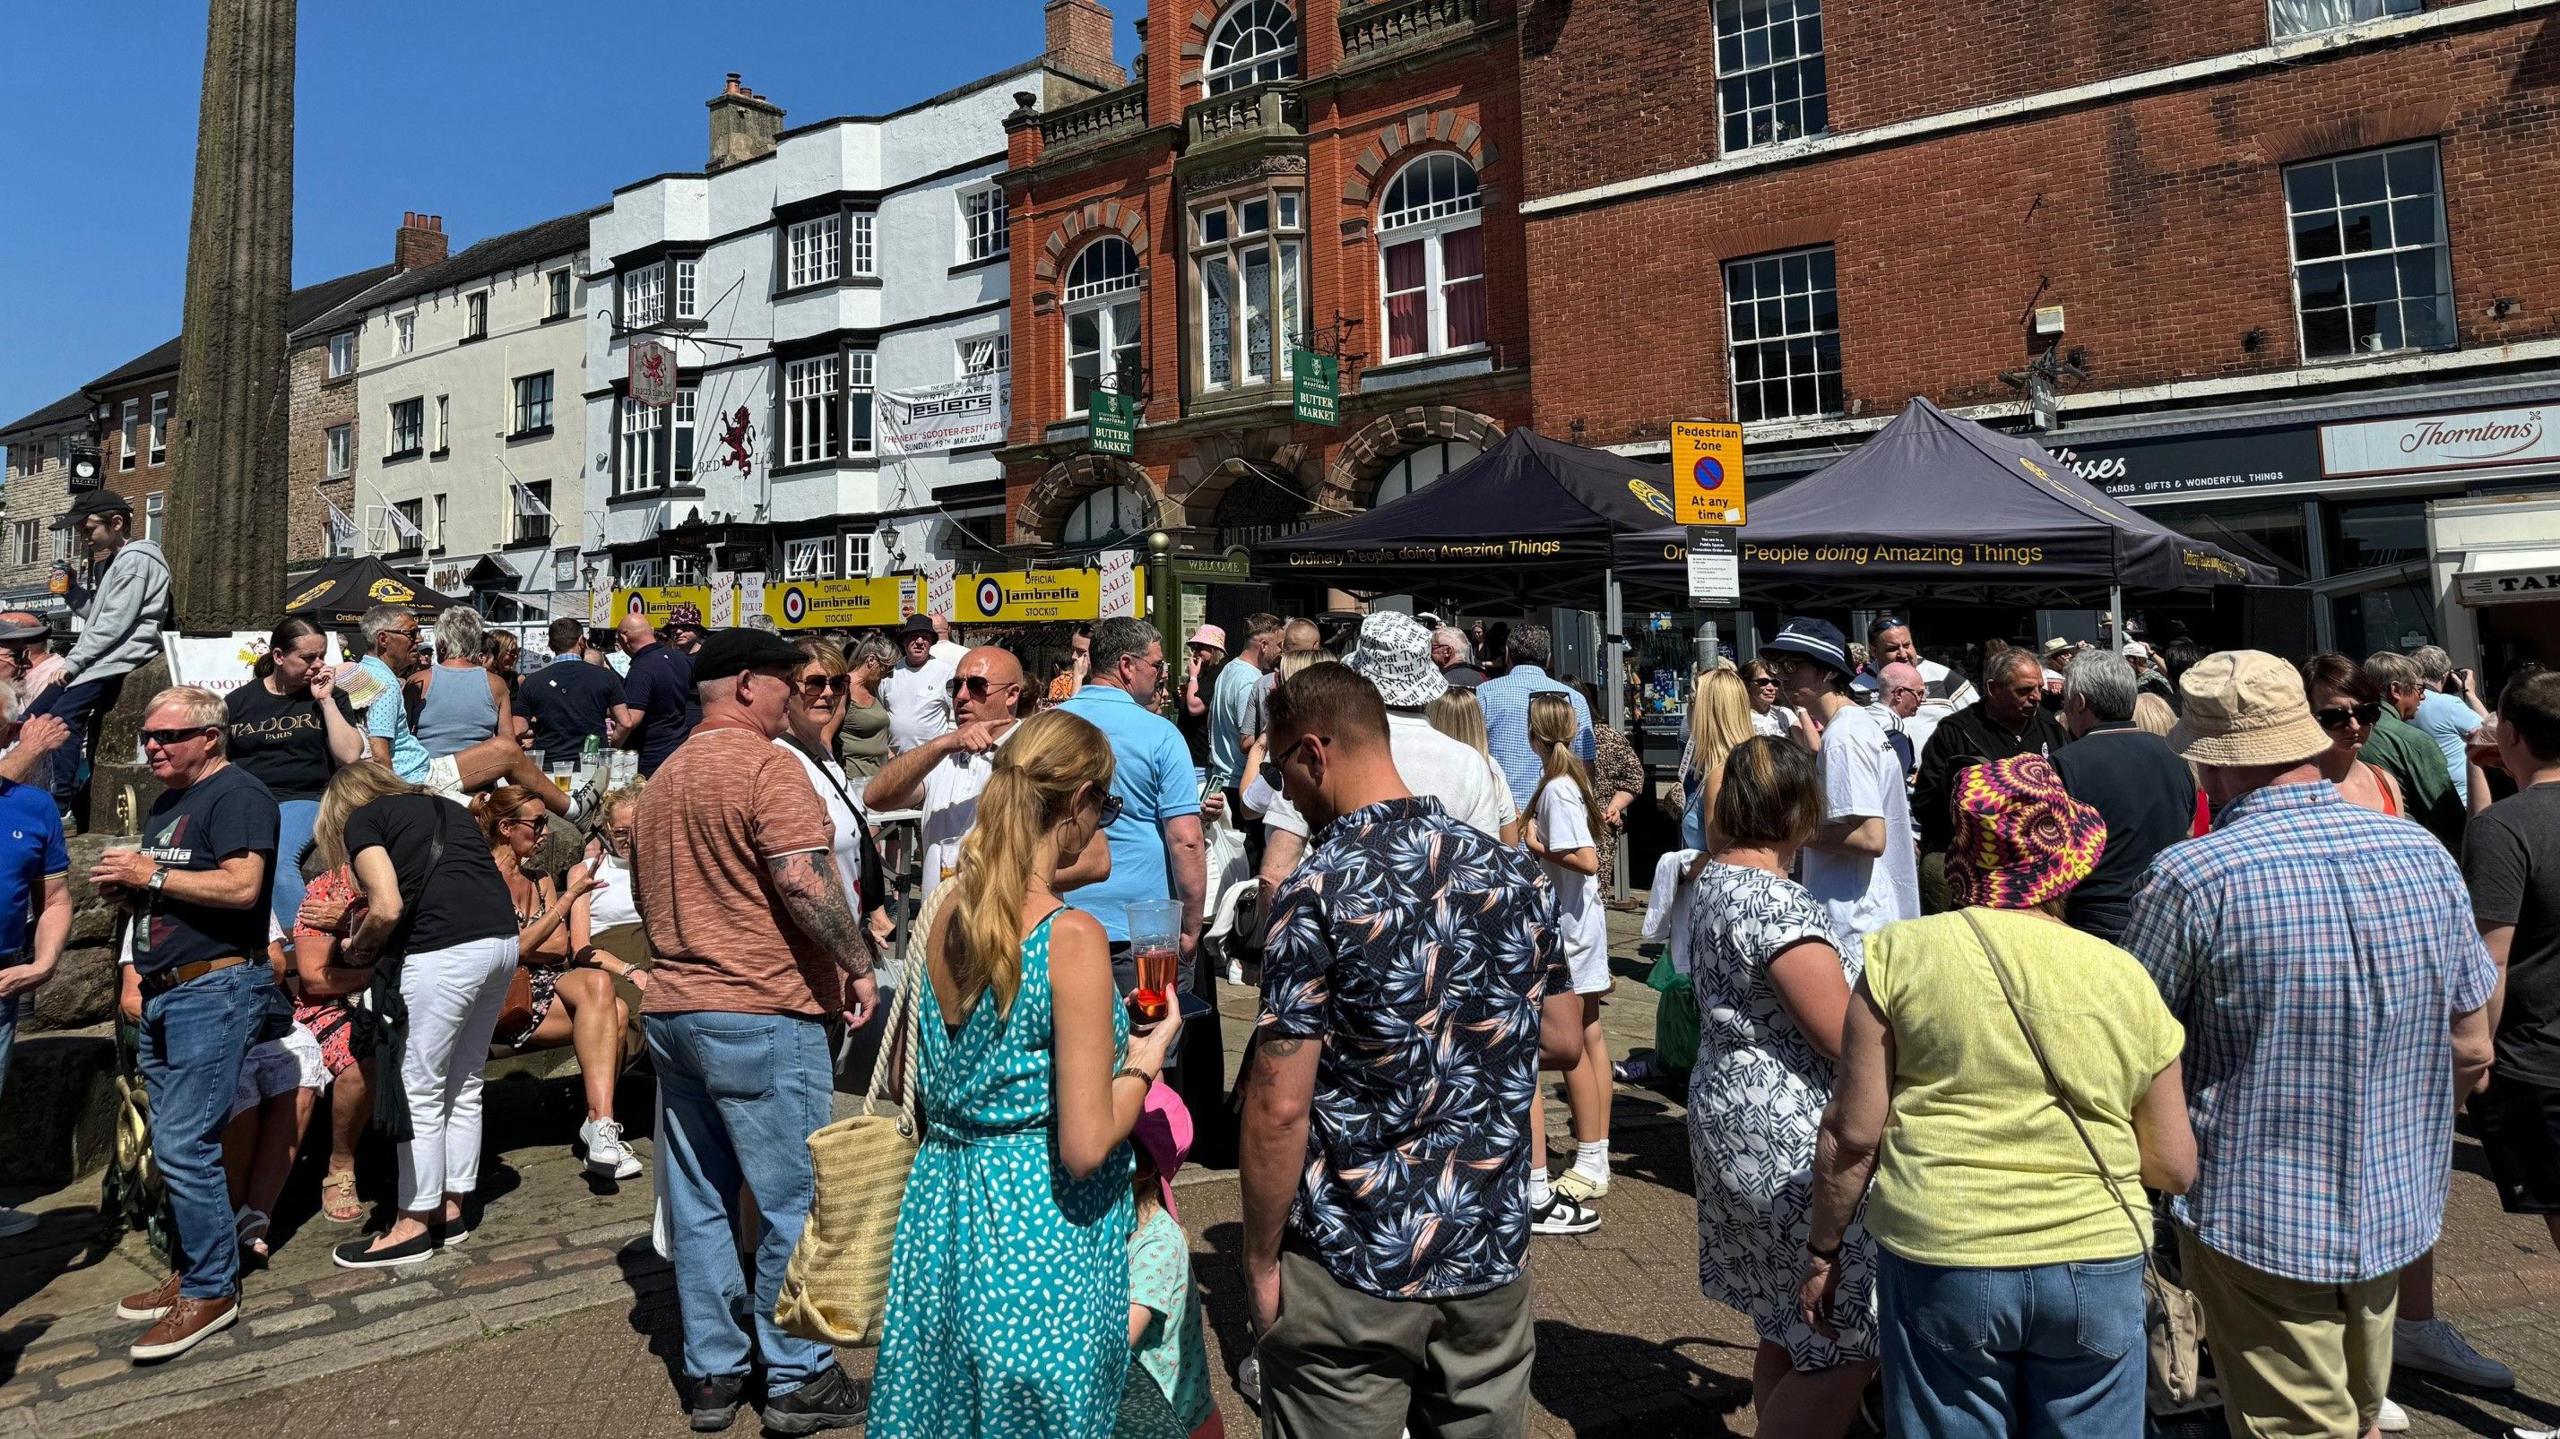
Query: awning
point(2508, 577)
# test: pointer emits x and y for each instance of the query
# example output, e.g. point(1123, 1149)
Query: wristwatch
point(158, 881)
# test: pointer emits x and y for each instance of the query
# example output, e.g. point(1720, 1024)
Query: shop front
point(2497, 557)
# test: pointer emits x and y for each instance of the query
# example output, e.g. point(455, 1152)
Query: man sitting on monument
point(119, 633)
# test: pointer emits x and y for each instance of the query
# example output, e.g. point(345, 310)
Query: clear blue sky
point(492, 113)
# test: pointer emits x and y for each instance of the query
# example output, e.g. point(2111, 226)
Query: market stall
point(336, 595)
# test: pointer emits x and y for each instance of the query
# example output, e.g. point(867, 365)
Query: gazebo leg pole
point(2115, 614)
point(1613, 688)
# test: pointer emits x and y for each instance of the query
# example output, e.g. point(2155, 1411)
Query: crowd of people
point(1984, 958)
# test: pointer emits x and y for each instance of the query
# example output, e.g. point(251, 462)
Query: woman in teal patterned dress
point(1008, 1304)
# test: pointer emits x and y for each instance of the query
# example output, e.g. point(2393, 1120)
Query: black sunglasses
point(167, 737)
point(2336, 717)
point(1112, 808)
point(977, 686)
point(816, 685)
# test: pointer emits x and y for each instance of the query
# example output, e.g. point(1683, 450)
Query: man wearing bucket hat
point(1860, 864)
point(2325, 963)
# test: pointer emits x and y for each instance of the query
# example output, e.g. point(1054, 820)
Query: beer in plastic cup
point(1155, 946)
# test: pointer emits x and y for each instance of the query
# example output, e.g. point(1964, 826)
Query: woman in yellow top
point(2010, 1267)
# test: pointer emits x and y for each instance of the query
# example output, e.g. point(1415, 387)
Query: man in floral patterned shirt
point(1413, 984)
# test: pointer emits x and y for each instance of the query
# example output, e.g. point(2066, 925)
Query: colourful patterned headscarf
point(2021, 839)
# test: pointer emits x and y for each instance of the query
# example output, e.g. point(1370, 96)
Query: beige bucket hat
point(2246, 707)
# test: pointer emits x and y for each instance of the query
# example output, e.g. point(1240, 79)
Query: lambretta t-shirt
point(190, 830)
point(2511, 856)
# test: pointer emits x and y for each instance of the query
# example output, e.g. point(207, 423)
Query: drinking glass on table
point(1155, 944)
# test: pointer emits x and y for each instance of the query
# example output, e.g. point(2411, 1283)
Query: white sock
point(1592, 1159)
point(1539, 1191)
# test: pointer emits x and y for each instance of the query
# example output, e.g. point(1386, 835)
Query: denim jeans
point(2053, 1350)
point(742, 1094)
point(82, 705)
point(193, 1040)
point(294, 821)
point(8, 1037)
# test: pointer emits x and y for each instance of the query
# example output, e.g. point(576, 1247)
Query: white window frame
point(1430, 224)
point(416, 430)
point(557, 301)
point(155, 516)
point(986, 354)
point(862, 243)
point(688, 273)
point(342, 354)
point(810, 559)
point(813, 251)
point(339, 452)
point(687, 569)
point(475, 315)
point(525, 419)
point(1817, 258)
point(680, 422)
point(2303, 23)
point(1748, 64)
point(524, 529)
point(129, 429)
point(644, 295)
point(1271, 26)
point(810, 390)
point(435, 532)
point(1264, 223)
point(2394, 255)
point(640, 574)
point(861, 410)
point(404, 331)
point(444, 424)
point(160, 427)
point(29, 549)
point(986, 228)
point(1108, 299)
point(856, 563)
point(643, 430)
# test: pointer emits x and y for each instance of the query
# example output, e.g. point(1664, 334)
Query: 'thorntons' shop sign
point(2476, 440)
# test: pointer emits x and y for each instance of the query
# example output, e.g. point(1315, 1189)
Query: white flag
point(402, 525)
point(342, 526)
point(529, 506)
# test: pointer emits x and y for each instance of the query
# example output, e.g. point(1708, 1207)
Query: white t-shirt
point(613, 906)
point(1564, 824)
point(919, 701)
point(848, 829)
point(1467, 784)
point(1862, 776)
point(951, 790)
point(1775, 722)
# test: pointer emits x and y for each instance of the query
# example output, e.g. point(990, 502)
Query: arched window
point(1252, 44)
point(1418, 468)
point(1431, 257)
point(1102, 322)
point(1108, 516)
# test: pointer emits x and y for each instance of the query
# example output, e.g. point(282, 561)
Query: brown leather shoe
point(152, 1303)
point(191, 1323)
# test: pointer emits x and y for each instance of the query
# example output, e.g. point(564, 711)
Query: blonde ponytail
point(1038, 773)
point(1552, 728)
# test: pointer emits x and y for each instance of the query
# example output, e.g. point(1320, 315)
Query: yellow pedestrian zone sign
point(1706, 472)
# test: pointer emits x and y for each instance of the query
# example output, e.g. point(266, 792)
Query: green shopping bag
point(1675, 1018)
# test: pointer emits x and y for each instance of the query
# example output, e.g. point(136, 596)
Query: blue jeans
point(8, 1035)
point(2053, 1350)
point(193, 1040)
point(295, 819)
point(83, 706)
point(743, 1093)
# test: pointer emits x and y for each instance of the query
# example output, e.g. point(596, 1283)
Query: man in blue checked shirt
point(1506, 710)
point(2325, 963)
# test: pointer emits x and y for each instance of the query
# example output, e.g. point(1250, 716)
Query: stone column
point(227, 526)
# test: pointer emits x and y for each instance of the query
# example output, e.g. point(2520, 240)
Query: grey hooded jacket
point(121, 630)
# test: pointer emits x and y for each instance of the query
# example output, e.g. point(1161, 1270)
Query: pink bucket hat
point(1164, 1132)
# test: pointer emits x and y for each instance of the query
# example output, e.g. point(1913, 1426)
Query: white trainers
point(2432, 1346)
point(1249, 1380)
point(606, 1153)
point(1563, 1214)
point(2393, 1419)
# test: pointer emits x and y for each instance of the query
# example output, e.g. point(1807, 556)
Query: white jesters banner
point(961, 415)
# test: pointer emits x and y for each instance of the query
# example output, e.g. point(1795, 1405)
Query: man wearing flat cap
point(2324, 961)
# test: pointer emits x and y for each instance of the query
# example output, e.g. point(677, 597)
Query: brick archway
point(1091, 221)
point(1414, 135)
point(1220, 459)
point(1044, 509)
point(1353, 478)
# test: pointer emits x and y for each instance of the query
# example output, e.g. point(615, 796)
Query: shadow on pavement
point(66, 1239)
point(1582, 1372)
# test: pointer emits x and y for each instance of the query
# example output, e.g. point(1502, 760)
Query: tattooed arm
point(1274, 1154)
point(814, 894)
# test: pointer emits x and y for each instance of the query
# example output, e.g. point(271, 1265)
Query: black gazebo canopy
point(337, 594)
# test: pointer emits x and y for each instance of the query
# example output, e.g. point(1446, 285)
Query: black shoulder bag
point(391, 1008)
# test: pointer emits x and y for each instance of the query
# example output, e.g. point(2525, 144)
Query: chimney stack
point(744, 126)
point(419, 242)
point(1080, 42)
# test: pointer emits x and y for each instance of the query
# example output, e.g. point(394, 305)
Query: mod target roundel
point(795, 605)
point(990, 597)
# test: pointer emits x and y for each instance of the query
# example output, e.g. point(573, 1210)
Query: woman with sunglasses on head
point(815, 715)
point(2348, 705)
point(568, 992)
point(863, 736)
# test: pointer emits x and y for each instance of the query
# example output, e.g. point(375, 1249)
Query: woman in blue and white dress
point(1773, 977)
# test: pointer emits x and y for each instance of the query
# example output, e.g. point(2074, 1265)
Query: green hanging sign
point(1114, 424)
point(1315, 390)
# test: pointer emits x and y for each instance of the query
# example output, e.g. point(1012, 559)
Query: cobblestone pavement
point(570, 1324)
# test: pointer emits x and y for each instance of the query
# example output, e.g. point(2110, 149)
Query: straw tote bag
point(2173, 1322)
point(836, 1289)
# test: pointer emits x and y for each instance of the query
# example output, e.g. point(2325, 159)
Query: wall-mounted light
point(2504, 306)
point(2254, 341)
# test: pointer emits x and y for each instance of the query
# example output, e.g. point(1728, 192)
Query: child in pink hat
point(1167, 1393)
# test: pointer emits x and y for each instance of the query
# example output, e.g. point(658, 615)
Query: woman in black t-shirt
point(433, 897)
point(291, 729)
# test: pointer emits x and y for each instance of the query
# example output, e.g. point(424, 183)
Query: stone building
point(1279, 175)
point(325, 427)
point(2284, 266)
point(40, 449)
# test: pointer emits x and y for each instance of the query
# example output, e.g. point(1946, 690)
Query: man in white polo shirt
point(945, 774)
point(1394, 654)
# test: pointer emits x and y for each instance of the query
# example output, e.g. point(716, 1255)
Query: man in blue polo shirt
point(569, 699)
point(659, 707)
point(35, 897)
point(1156, 848)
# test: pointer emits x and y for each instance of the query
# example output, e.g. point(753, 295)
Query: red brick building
point(2290, 259)
point(1271, 165)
